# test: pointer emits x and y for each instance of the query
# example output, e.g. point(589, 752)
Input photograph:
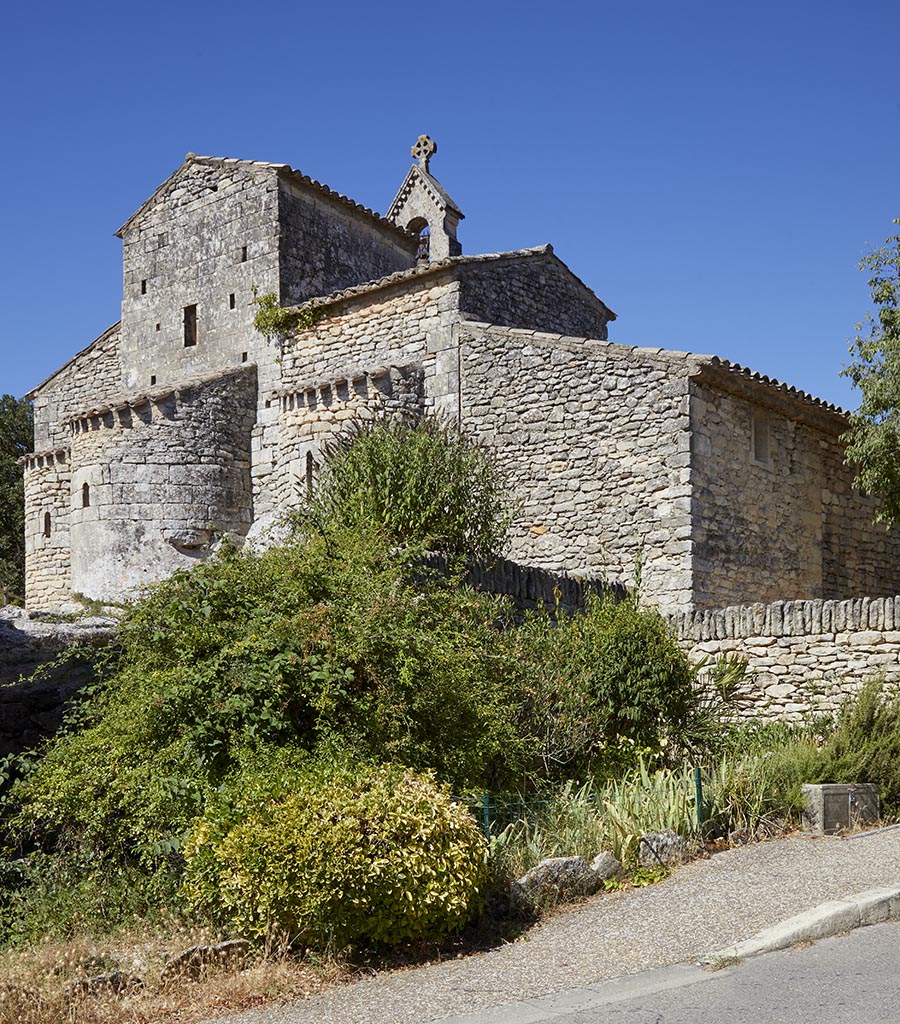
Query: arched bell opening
point(421, 227)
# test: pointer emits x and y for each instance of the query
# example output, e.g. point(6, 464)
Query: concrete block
point(831, 808)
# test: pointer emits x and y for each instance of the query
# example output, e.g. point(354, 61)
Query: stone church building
point(182, 422)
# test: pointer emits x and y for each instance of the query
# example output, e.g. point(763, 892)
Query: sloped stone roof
point(230, 163)
point(426, 269)
point(108, 333)
point(741, 377)
point(135, 399)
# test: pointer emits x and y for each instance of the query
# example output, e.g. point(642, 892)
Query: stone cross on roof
point(423, 151)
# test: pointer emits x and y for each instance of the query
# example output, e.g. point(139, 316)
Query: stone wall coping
point(875, 615)
point(138, 398)
point(108, 333)
point(570, 343)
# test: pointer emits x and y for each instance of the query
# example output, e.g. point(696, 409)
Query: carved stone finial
point(423, 150)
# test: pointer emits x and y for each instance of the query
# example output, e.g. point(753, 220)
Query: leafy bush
point(315, 644)
point(603, 689)
point(422, 483)
point(865, 743)
point(376, 856)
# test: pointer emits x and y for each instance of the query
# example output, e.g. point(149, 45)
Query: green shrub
point(373, 856)
point(417, 483)
point(865, 743)
point(603, 689)
point(318, 643)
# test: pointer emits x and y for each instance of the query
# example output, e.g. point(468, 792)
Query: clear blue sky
point(714, 171)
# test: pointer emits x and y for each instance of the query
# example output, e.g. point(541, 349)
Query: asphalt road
point(851, 979)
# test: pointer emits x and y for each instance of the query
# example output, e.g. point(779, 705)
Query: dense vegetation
point(874, 436)
point(278, 735)
point(16, 438)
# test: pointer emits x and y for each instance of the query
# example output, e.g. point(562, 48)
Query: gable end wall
point(532, 292)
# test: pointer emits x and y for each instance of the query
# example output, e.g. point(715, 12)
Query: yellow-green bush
point(373, 856)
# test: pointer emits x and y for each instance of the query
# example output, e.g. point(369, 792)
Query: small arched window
point(86, 495)
point(46, 524)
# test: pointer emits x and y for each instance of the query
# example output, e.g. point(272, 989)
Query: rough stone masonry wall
point(803, 656)
point(325, 246)
point(594, 437)
point(401, 326)
point(789, 526)
point(90, 375)
point(757, 525)
point(47, 544)
point(165, 473)
point(211, 235)
point(534, 292)
point(312, 416)
point(859, 557)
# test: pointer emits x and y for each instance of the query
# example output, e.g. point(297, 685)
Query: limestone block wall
point(312, 416)
point(325, 246)
point(859, 557)
point(405, 326)
point(47, 543)
point(535, 291)
point(594, 438)
point(208, 240)
point(803, 656)
point(91, 374)
point(757, 523)
point(774, 511)
point(155, 479)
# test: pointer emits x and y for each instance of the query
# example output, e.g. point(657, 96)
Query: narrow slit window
point(46, 524)
point(152, 380)
point(243, 254)
point(157, 327)
point(190, 326)
point(86, 495)
point(310, 473)
point(144, 286)
point(760, 438)
point(231, 301)
point(243, 357)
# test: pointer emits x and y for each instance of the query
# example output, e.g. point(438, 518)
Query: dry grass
point(33, 980)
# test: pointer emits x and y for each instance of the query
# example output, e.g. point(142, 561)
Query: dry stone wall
point(48, 551)
point(31, 709)
point(157, 478)
point(803, 656)
point(595, 440)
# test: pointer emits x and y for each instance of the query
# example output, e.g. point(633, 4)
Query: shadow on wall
point(529, 587)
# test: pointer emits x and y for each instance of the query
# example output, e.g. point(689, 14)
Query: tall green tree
point(16, 438)
point(873, 440)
